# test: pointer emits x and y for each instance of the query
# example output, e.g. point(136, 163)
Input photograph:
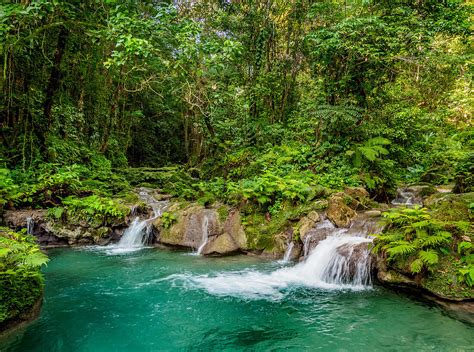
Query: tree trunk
point(55, 76)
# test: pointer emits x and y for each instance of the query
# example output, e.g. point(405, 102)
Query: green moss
point(443, 280)
point(261, 232)
point(451, 207)
point(223, 212)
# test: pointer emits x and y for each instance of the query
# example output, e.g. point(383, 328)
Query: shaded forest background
point(265, 97)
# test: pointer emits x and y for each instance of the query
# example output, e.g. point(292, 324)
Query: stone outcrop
point(195, 223)
point(51, 233)
point(307, 223)
point(339, 211)
point(231, 240)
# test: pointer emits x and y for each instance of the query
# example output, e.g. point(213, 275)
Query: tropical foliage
point(21, 282)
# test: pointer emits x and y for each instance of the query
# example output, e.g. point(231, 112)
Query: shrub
point(21, 281)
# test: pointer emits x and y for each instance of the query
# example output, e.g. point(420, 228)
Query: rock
point(307, 223)
point(338, 212)
point(16, 219)
point(373, 213)
point(233, 226)
point(231, 240)
point(319, 232)
point(355, 255)
point(394, 278)
point(296, 251)
point(356, 192)
point(222, 244)
point(280, 242)
point(188, 229)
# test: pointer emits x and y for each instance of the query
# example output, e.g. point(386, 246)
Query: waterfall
point(341, 260)
point(205, 234)
point(407, 197)
point(30, 225)
point(289, 249)
point(321, 230)
point(138, 234)
point(135, 235)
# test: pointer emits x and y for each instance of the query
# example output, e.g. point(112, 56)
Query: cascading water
point(30, 226)
point(339, 261)
point(289, 249)
point(137, 235)
point(205, 234)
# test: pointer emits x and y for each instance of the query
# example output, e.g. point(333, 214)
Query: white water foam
point(137, 235)
point(205, 234)
point(289, 249)
point(334, 264)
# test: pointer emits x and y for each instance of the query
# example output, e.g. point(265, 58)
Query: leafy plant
point(95, 208)
point(412, 235)
point(167, 219)
point(21, 281)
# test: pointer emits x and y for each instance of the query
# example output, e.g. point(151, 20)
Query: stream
point(156, 299)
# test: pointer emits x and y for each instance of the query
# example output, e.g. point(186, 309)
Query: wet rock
point(296, 251)
point(373, 213)
point(17, 219)
point(355, 254)
point(231, 240)
point(339, 212)
point(307, 223)
point(188, 230)
point(222, 244)
point(317, 234)
point(233, 226)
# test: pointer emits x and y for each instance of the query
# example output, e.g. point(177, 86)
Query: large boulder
point(191, 223)
point(231, 240)
point(339, 212)
point(358, 193)
point(220, 232)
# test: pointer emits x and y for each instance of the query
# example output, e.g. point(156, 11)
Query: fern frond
point(428, 257)
point(400, 248)
point(416, 266)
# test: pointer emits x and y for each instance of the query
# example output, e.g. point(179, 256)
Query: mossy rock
point(449, 206)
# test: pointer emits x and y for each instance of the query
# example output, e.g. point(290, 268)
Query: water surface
point(158, 300)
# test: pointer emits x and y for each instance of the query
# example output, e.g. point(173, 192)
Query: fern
point(413, 235)
point(416, 266)
point(429, 257)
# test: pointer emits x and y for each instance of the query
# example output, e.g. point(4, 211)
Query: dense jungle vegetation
point(266, 103)
point(260, 99)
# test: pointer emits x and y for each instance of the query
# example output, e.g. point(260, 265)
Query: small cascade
point(30, 226)
point(205, 234)
point(407, 197)
point(340, 260)
point(138, 234)
point(321, 230)
point(135, 236)
point(289, 249)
